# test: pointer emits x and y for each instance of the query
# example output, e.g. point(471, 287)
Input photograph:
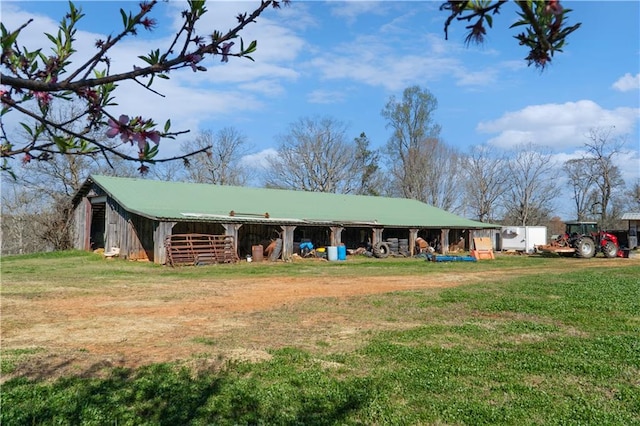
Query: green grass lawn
point(559, 348)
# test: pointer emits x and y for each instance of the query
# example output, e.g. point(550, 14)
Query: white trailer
point(523, 238)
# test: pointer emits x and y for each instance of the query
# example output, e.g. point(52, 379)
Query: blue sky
point(345, 59)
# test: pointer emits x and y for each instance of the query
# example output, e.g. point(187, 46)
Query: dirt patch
point(206, 322)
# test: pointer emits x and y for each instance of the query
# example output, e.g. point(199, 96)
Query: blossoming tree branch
point(32, 81)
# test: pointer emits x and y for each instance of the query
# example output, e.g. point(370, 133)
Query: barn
point(138, 215)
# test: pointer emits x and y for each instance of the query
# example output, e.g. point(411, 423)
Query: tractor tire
point(381, 250)
point(610, 250)
point(585, 248)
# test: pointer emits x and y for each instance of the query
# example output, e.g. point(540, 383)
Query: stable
point(137, 216)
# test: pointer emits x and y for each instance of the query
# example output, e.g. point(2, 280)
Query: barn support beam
point(287, 241)
point(413, 236)
point(376, 237)
point(444, 239)
point(231, 230)
point(88, 217)
point(336, 235)
point(113, 218)
point(161, 230)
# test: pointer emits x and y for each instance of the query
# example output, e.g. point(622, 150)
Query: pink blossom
point(226, 47)
point(148, 23)
point(140, 140)
point(43, 97)
point(142, 136)
point(119, 127)
point(154, 136)
point(193, 59)
point(145, 6)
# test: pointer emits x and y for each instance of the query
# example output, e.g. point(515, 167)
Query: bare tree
point(421, 165)
point(486, 182)
point(601, 152)
point(172, 171)
point(632, 196)
point(532, 186)
point(221, 164)
point(18, 230)
point(314, 156)
point(413, 134)
point(371, 179)
point(443, 176)
point(582, 182)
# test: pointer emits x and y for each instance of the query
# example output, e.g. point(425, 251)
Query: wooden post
point(287, 241)
point(377, 236)
point(231, 229)
point(87, 218)
point(336, 235)
point(444, 241)
point(413, 235)
point(160, 233)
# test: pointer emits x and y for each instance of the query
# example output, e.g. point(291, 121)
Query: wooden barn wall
point(82, 225)
point(141, 240)
point(161, 232)
point(131, 233)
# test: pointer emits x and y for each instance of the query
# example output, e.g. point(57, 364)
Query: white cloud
point(628, 161)
point(351, 10)
point(559, 126)
point(325, 96)
point(397, 55)
point(377, 62)
point(259, 160)
point(627, 83)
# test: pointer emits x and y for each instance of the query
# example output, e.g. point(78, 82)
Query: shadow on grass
point(163, 394)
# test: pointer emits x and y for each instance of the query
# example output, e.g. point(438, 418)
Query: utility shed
point(634, 226)
point(523, 238)
point(137, 215)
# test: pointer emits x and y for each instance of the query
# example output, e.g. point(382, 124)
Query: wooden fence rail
point(200, 249)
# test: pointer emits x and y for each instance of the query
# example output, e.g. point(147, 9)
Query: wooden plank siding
point(82, 225)
point(132, 234)
point(161, 231)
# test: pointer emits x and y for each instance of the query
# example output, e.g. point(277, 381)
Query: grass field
point(518, 340)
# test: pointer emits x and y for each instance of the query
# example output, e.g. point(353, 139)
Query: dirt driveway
point(81, 331)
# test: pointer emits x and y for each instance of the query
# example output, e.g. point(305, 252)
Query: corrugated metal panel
point(179, 201)
point(631, 216)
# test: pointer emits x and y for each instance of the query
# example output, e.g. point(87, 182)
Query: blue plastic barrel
point(342, 252)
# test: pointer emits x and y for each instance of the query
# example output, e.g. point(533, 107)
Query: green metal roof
point(180, 201)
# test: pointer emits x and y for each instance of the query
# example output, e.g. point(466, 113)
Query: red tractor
point(584, 239)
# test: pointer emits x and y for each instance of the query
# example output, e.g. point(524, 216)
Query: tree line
point(70, 125)
point(521, 186)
